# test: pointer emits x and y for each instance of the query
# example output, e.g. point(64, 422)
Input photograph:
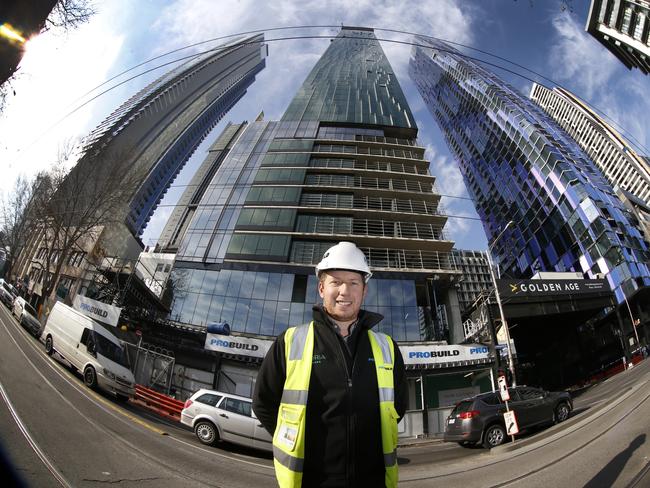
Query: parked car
point(215, 416)
point(27, 316)
point(7, 294)
point(479, 420)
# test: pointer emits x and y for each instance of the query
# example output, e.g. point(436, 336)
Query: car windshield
point(463, 406)
point(29, 309)
point(111, 350)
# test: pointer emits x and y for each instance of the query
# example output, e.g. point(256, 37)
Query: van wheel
point(90, 377)
point(494, 436)
point(206, 432)
point(49, 346)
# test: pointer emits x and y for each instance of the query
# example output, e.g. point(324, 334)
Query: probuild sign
point(242, 346)
point(102, 312)
point(537, 288)
point(440, 354)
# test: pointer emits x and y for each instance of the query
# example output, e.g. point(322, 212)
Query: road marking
point(32, 443)
point(65, 375)
point(218, 454)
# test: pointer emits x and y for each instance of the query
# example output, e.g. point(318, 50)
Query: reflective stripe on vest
point(383, 352)
point(289, 436)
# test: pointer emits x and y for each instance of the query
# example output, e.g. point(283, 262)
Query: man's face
point(342, 293)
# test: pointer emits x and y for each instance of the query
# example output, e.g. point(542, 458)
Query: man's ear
point(320, 288)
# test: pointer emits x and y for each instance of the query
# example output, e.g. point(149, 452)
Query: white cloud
point(577, 56)
point(596, 76)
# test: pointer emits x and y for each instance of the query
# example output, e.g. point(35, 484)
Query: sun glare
point(7, 31)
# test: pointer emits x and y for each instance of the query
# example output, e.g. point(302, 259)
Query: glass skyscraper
point(343, 163)
point(162, 125)
point(519, 165)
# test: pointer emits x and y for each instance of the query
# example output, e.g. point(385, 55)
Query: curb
point(565, 430)
point(419, 441)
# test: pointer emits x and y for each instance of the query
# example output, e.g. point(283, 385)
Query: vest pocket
point(393, 427)
point(289, 426)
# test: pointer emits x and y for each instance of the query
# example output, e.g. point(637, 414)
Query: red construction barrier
point(163, 404)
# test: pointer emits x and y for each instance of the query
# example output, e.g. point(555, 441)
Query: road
point(56, 432)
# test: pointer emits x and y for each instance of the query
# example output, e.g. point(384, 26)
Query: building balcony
point(364, 202)
point(345, 181)
point(343, 163)
point(308, 253)
point(328, 225)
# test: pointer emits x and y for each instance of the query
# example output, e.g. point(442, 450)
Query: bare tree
point(70, 14)
point(16, 223)
point(77, 206)
point(35, 18)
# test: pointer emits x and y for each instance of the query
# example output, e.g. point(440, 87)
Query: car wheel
point(90, 377)
point(561, 413)
point(494, 436)
point(206, 432)
point(49, 346)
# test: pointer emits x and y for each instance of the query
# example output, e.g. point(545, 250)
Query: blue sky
point(59, 68)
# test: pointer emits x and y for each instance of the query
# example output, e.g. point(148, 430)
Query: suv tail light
point(469, 414)
point(188, 402)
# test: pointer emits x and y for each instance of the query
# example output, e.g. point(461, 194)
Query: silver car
point(27, 316)
point(215, 416)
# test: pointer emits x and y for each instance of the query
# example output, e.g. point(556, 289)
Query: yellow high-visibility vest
point(289, 436)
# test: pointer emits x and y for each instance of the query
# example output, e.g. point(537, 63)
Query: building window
point(627, 19)
point(638, 26)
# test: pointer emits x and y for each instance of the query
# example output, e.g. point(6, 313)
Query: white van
point(91, 349)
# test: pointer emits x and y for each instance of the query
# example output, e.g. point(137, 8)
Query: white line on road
point(23, 429)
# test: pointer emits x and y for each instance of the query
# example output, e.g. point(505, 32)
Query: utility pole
point(511, 364)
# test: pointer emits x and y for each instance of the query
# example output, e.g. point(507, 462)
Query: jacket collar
point(366, 319)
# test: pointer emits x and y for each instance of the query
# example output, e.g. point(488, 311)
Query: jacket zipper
point(350, 426)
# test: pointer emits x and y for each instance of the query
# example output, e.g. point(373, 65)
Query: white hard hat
point(345, 256)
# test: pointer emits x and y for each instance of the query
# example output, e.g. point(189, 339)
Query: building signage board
point(242, 346)
point(537, 288)
point(102, 312)
point(440, 354)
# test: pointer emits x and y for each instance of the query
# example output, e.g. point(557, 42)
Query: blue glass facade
point(519, 165)
point(343, 163)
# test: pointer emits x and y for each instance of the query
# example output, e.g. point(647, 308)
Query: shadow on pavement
point(609, 474)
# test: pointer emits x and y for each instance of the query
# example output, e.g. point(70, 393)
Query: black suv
point(480, 419)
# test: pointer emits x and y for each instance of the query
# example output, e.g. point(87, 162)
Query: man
point(331, 392)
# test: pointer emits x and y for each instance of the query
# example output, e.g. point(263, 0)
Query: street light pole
point(511, 364)
point(634, 322)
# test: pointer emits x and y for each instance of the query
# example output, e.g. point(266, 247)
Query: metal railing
point(339, 163)
point(372, 151)
point(316, 224)
point(329, 200)
point(394, 259)
point(369, 183)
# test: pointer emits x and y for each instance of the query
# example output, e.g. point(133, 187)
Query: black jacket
point(343, 431)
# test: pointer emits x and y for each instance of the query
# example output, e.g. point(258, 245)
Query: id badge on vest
point(287, 436)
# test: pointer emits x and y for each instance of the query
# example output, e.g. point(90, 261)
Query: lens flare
point(7, 31)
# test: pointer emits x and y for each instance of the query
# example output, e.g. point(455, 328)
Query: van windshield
point(111, 350)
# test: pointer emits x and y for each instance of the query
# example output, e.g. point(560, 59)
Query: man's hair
point(321, 275)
